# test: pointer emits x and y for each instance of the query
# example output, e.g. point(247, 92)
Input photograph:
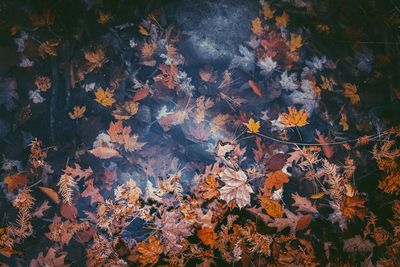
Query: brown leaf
point(93, 192)
point(149, 251)
point(142, 93)
point(40, 210)
point(102, 152)
point(50, 193)
point(276, 162)
point(303, 204)
point(303, 222)
point(327, 149)
point(15, 180)
point(69, 212)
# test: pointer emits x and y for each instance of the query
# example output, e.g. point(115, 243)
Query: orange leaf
point(295, 42)
point(15, 180)
point(350, 91)
point(104, 97)
point(294, 118)
point(207, 236)
point(149, 251)
point(256, 27)
point(275, 180)
point(50, 193)
point(69, 212)
point(102, 152)
point(303, 222)
point(272, 207)
point(255, 87)
point(282, 21)
point(77, 113)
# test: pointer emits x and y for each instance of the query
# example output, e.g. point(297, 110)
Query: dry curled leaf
point(104, 152)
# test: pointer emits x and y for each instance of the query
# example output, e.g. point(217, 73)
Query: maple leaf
point(48, 48)
point(77, 112)
point(104, 97)
point(260, 151)
point(295, 42)
point(391, 183)
point(282, 20)
point(267, 11)
point(275, 180)
point(174, 229)
point(207, 236)
point(95, 58)
point(208, 187)
point(235, 188)
point(253, 126)
point(303, 204)
point(257, 27)
point(149, 251)
point(294, 118)
point(43, 83)
point(272, 207)
point(168, 76)
point(354, 206)
point(350, 91)
point(126, 111)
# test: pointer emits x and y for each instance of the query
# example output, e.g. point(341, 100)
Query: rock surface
point(213, 30)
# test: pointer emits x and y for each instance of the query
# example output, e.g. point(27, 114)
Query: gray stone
point(213, 29)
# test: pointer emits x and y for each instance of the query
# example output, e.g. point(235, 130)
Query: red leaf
point(141, 94)
point(327, 149)
point(255, 87)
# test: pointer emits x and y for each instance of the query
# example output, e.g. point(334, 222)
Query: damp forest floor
point(199, 133)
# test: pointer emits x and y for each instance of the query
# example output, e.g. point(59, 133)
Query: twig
point(53, 100)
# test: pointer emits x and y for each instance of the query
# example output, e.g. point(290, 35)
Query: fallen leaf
point(207, 236)
point(303, 204)
point(50, 193)
point(92, 192)
point(255, 87)
point(104, 97)
point(15, 180)
point(294, 118)
point(350, 91)
point(149, 251)
point(282, 20)
point(295, 42)
point(272, 207)
point(104, 152)
point(253, 126)
point(77, 112)
point(257, 27)
point(327, 149)
point(69, 212)
point(236, 187)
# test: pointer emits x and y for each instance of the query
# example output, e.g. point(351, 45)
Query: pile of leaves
point(117, 152)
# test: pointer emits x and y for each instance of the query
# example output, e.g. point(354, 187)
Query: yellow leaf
point(327, 83)
point(282, 21)
point(267, 11)
point(77, 113)
point(256, 27)
point(317, 195)
point(125, 112)
point(295, 42)
point(253, 126)
point(350, 91)
point(294, 118)
point(272, 207)
point(105, 97)
point(143, 30)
